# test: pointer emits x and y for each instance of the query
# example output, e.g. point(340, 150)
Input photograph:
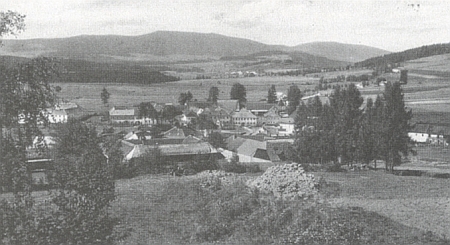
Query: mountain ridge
point(163, 43)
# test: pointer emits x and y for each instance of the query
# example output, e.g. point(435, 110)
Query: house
point(56, 116)
point(221, 117)
point(419, 134)
point(429, 133)
point(287, 126)
point(121, 114)
point(244, 118)
point(258, 108)
point(272, 116)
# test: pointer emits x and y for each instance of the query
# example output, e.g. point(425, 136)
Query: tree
point(83, 188)
point(294, 96)
point(11, 23)
point(213, 94)
point(146, 110)
point(105, 96)
point(238, 92)
point(346, 106)
point(185, 97)
point(404, 76)
point(216, 139)
point(395, 126)
point(169, 112)
point(272, 95)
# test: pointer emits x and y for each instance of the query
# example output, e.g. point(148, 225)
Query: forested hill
point(81, 71)
point(410, 54)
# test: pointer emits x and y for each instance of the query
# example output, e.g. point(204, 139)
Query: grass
point(167, 210)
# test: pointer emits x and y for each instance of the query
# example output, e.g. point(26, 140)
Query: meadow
point(381, 208)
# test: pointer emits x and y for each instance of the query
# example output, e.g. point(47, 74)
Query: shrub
point(233, 167)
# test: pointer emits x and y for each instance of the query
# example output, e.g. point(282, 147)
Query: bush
point(233, 167)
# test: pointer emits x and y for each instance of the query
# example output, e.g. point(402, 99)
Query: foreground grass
point(168, 210)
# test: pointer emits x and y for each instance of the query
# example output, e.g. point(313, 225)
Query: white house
point(56, 116)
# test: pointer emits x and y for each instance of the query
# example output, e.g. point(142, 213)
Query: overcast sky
point(393, 25)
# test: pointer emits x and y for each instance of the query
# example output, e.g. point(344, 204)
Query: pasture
point(395, 210)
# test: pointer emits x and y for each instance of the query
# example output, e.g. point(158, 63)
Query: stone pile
point(215, 178)
point(288, 181)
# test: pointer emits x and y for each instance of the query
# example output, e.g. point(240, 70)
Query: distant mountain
point(160, 43)
point(171, 46)
point(394, 59)
point(340, 51)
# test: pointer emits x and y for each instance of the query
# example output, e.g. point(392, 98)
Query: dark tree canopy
point(272, 95)
point(146, 110)
point(185, 98)
point(293, 97)
point(11, 23)
point(213, 94)
point(238, 92)
point(105, 96)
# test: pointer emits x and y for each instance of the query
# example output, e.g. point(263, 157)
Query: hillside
point(160, 43)
point(167, 46)
point(409, 54)
point(286, 59)
point(340, 51)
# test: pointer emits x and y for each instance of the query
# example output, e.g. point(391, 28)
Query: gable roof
point(249, 147)
point(230, 105)
point(174, 133)
point(121, 111)
point(260, 106)
point(243, 113)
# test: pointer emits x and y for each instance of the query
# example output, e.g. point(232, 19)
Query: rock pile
point(288, 181)
point(215, 178)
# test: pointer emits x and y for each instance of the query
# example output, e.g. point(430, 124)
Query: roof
point(170, 149)
point(287, 120)
point(276, 149)
point(187, 149)
point(260, 106)
point(121, 111)
point(230, 105)
point(421, 128)
point(250, 146)
point(191, 139)
point(234, 142)
point(191, 114)
point(59, 113)
point(243, 113)
point(439, 130)
point(200, 104)
point(174, 133)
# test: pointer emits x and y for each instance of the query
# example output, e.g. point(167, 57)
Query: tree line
point(381, 62)
point(341, 132)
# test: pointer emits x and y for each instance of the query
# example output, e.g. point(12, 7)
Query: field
point(166, 210)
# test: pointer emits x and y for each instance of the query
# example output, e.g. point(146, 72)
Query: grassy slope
point(165, 210)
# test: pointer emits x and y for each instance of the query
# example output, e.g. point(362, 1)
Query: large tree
point(238, 92)
point(11, 23)
point(147, 110)
point(272, 95)
point(83, 188)
point(294, 96)
point(213, 94)
point(396, 125)
point(185, 98)
point(105, 96)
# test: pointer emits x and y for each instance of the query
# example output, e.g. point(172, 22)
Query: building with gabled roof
point(244, 118)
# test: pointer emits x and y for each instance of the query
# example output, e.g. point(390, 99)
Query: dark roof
point(157, 141)
point(439, 130)
point(200, 104)
point(258, 106)
point(421, 128)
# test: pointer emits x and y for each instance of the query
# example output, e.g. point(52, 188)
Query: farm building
point(244, 118)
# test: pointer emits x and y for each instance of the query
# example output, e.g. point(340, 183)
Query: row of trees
point(342, 132)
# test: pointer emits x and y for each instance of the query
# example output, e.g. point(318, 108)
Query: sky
point(393, 25)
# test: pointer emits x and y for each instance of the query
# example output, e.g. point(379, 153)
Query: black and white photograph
point(224, 122)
